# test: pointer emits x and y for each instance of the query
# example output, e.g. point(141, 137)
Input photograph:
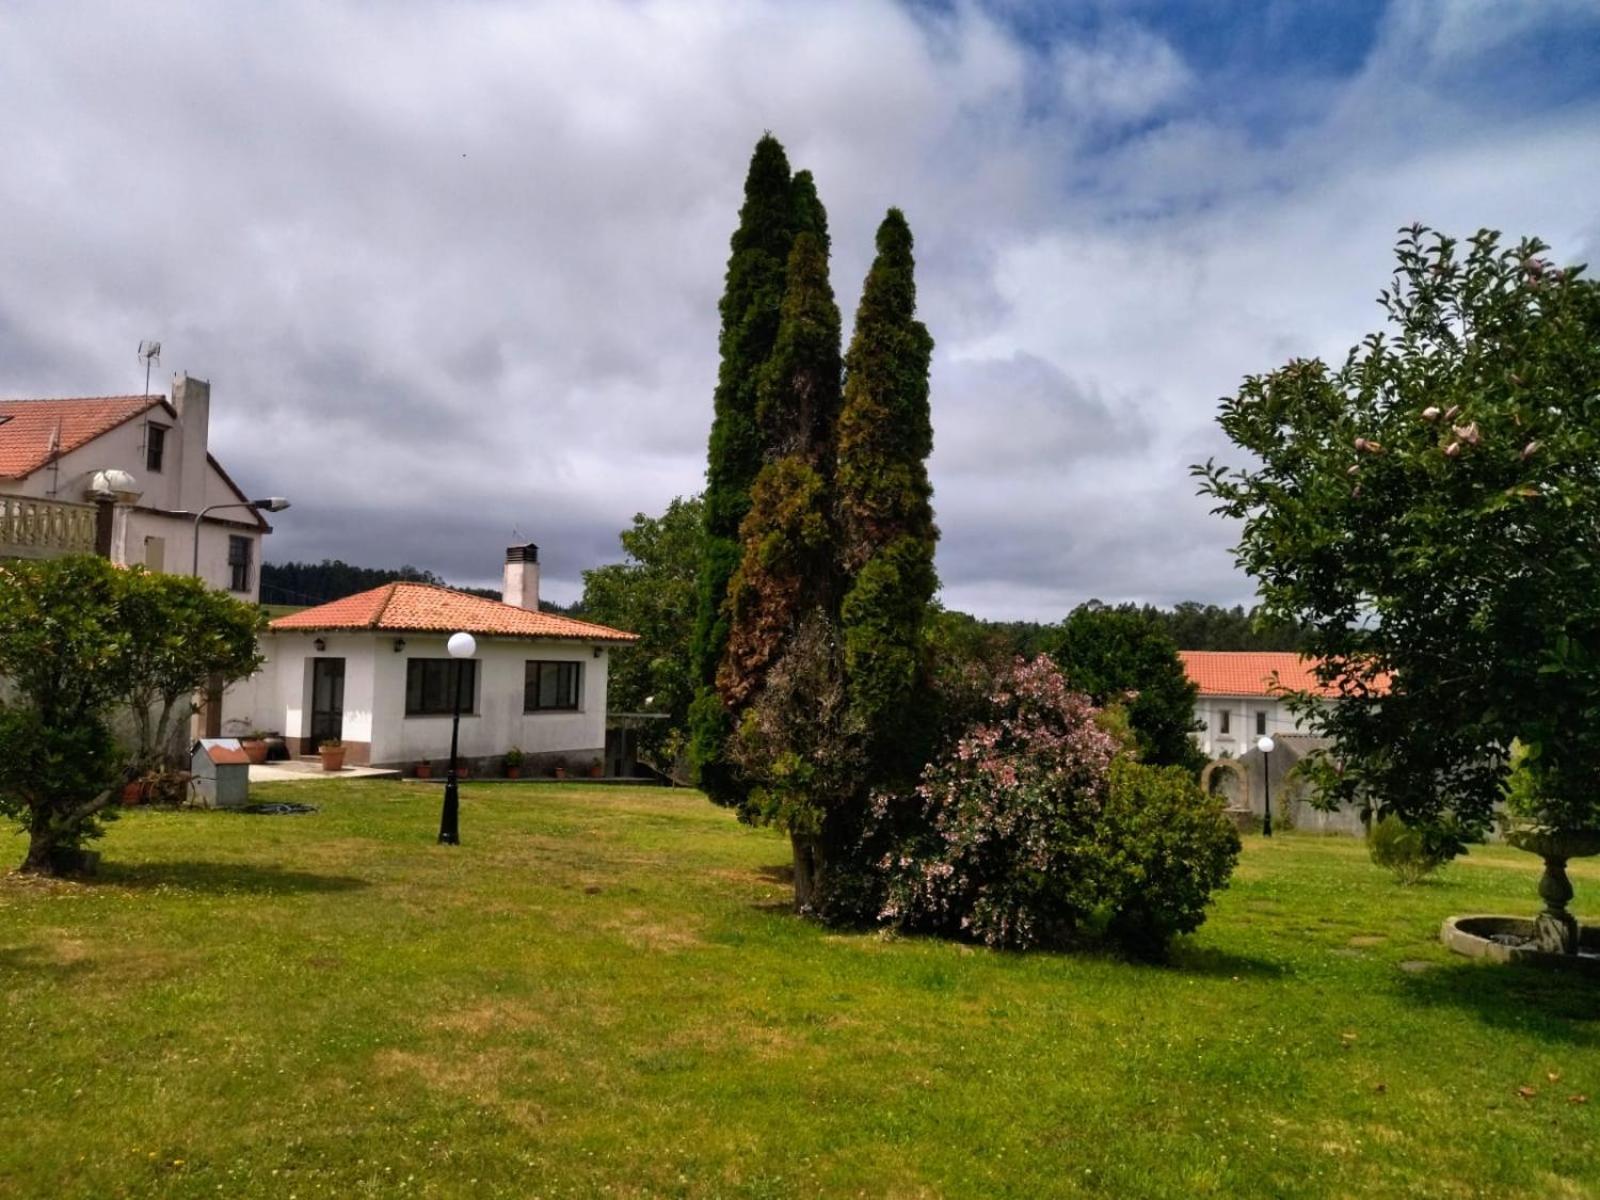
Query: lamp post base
point(450, 816)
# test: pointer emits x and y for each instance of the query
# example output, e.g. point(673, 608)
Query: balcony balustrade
point(33, 528)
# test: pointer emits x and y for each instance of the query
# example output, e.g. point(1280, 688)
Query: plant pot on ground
point(558, 768)
point(332, 755)
point(513, 762)
point(255, 747)
point(596, 769)
point(424, 769)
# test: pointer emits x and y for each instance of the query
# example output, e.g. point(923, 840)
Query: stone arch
point(1239, 796)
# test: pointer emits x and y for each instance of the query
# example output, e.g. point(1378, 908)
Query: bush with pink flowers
point(1037, 828)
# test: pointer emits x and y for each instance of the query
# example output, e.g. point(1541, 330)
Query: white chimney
point(192, 400)
point(521, 586)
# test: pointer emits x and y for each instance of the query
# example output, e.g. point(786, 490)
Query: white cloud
point(453, 268)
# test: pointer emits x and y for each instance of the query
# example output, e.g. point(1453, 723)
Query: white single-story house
point(371, 670)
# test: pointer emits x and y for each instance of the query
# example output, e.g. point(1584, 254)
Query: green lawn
point(601, 992)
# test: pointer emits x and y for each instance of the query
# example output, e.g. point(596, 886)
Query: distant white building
point(1240, 699)
point(1241, 696)
point(371, 670)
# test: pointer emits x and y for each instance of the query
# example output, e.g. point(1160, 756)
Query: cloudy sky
point(452, 268)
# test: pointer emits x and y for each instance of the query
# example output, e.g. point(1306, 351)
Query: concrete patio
point(296, 770)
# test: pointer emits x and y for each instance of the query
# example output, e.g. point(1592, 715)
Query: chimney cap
point(524, 553)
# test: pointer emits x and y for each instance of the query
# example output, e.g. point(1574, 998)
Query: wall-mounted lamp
point(598, 651)
point(399, 645)
point(320, 644)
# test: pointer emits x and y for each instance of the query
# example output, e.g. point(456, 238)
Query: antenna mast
point(149, 351)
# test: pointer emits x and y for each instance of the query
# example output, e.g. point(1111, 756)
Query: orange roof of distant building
point(1254, 673)
point(28, 428)
point(404, 607)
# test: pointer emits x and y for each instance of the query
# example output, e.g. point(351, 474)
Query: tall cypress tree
point(884, 503)
point(752, 295)
point(781, 665)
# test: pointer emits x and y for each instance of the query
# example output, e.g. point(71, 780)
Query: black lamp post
point(1266, 745)
point(461, 647)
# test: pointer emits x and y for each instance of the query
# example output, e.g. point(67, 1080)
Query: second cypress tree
point(884, 505)
point(780, 678)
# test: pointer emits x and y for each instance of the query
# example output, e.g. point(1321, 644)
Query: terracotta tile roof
point(424, 608)
point(28, 427)
point(1251, 673)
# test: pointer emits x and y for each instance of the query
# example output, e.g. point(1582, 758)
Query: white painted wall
point(278, 698)
point(1241, 736)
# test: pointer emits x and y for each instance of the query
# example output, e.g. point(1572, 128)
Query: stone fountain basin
point(1475, 936)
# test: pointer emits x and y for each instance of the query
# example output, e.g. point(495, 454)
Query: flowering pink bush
point(1026, 831)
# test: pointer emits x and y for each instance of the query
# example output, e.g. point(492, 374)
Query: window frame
point(155, 446)
point(1261, 722)
point(1223, 726)
point(533, 670)
point(239, 568)
point(445, 699)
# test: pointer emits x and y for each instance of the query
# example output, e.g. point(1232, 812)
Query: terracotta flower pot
point(134, 793)
point(255, 749)
point(332, 757)
point(596, 772)
point(559, 772)
point(513, 772)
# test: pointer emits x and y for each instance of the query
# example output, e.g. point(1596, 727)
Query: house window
point(238, 564)
point(1261, 723)
point(155, 447)
point(551, 686)
point(431, 685)
point(1224, 726)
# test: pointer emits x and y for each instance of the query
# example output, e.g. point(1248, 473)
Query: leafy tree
point(1430, 511)
point(652, 593)
point(304, 583)
point(751, 298)
point(1121, 656)
point(884, 504)
point(81, 640)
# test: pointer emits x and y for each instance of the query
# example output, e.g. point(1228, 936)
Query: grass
point(601, 991)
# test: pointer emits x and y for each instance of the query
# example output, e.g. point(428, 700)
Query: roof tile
point(1253, 673)
point(28, 427)
point(424, 608)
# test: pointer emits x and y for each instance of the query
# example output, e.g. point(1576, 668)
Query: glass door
point(327, 701)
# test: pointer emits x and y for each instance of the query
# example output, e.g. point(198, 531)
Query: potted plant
point(423, 769)
point(596, 768)
point(332, 755)
point(254, 745)
point(514, 757)
point(558, 768)
point(463, 769)
point(134, 791)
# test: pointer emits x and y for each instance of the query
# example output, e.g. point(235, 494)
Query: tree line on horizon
point(302, 584)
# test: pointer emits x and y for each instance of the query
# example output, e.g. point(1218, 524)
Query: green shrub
point(1164, 847)
point(1406, 850)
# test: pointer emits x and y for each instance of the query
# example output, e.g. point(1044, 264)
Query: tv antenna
point(150, 351)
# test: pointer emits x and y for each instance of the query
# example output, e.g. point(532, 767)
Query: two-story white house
point(1241, 696)
point(1241, 699)
point(126, 477)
